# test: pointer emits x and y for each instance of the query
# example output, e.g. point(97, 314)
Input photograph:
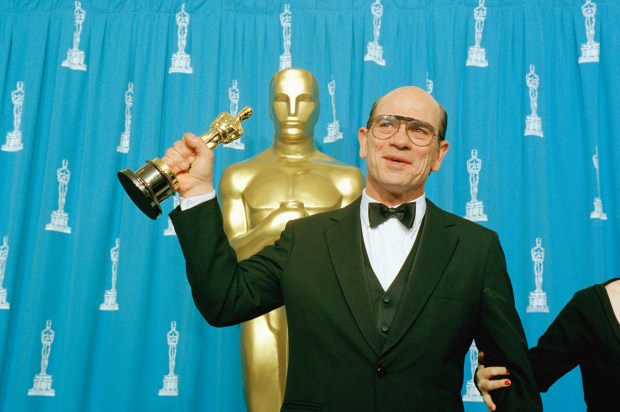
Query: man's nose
point(400, 138)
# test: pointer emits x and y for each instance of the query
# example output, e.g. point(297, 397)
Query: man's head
point(441, 132)
point(294, 97)
point(398, 166)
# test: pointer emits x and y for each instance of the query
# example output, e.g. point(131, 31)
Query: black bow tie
point(379, 213)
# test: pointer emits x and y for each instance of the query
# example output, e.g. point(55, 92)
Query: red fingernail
point(507, 382)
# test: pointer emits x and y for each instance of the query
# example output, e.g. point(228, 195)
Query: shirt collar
point(419, 214)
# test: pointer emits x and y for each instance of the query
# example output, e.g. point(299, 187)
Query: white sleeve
point(187, 203)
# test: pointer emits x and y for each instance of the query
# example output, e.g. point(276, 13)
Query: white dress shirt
point(389, 244)
point(189, 202)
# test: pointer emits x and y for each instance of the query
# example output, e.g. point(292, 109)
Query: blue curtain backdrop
point(89, 88)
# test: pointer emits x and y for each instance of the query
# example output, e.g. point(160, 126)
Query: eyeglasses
point(420, 133)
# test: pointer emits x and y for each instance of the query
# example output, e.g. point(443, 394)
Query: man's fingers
point(175, 161)
point(182, 154)
point(184, 151)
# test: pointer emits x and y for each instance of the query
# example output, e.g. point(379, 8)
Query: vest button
point(381, 372)
point(386, 300)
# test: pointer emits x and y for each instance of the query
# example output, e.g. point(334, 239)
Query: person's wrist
point(198, 190)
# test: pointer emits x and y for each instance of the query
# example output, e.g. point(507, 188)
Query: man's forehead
point(409, 101)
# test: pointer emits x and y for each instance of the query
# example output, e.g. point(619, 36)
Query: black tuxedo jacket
point(458, 290)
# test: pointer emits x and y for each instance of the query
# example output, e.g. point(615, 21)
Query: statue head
point(294, 102)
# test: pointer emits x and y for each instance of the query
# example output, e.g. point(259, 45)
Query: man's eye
point(420, 130)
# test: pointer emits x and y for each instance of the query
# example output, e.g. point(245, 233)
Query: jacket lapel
point(345, 245)
point(437, 244)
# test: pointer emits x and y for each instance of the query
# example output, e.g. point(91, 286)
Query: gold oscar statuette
point(154, 182)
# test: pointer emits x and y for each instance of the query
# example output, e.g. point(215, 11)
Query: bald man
point(384, 296)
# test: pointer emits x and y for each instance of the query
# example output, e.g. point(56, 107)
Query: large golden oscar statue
point(291, 179)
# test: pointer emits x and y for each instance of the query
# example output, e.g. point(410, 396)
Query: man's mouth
point(397, 159)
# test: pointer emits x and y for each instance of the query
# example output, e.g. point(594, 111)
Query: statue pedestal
point(75, 60)
point(533, 126)
point(333, 132)
point(477, 56)
point(181, 63)
point(474, 211)
point(471, 394)
point(123, 146)
point(3, 303)
point(171, 386)
point(109, 301)
point(169, 231)
point(374, 53)
point(42, 386)
point(59, 223)
point(13, 142)
point(590, 52)
point(598, 213)
point(538, 302)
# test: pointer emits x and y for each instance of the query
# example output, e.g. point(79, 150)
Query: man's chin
point(398, 187)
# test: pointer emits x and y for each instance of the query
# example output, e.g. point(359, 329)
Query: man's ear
point(441, 153)
point(361, 137)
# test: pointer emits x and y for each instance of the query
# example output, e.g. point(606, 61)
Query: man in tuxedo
point(384, 296)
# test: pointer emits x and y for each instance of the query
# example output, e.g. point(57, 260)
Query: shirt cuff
point(188, 203)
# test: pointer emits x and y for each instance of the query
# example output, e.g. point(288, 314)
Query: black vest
point(385, 303)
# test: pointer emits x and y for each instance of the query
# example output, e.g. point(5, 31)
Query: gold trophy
point(154, 182)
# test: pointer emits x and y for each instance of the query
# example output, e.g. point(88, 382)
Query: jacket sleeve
point(502, 338)
point(224, 291)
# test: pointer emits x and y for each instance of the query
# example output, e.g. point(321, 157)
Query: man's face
point(398, 169)
point(295, 103)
